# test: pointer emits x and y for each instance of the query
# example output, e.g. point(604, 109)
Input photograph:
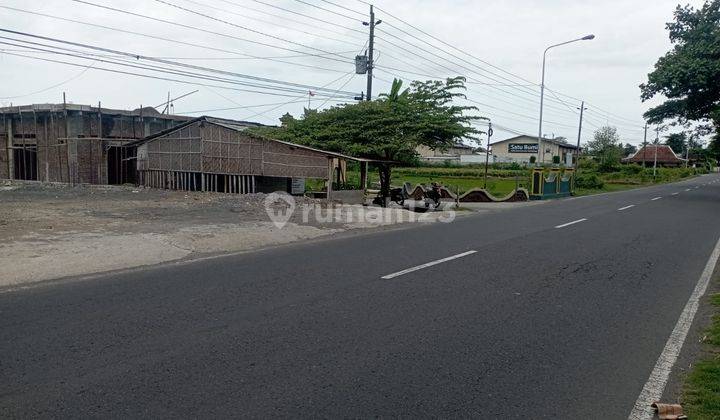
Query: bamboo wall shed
point(75, 143)
point(212, 154)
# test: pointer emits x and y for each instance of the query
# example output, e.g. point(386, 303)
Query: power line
point(343, 7)
point(195, 12)
point(276, 16)
point(240, 107)
point(469, 55)
point(308, 16)
point(327, 10)
point(83, 71)
point(208, 31)
point(166, 62)
point(352, 76)
point(174, 41)
point(151, 76)
point(273, 24)
point(279, 106)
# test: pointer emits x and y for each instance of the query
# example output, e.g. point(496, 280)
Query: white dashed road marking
point(656, 198)
point(426, 265)
point(568, 224)
point(626, 207)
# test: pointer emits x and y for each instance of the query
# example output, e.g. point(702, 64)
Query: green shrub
point(631, 169)
point(587, 164)
point(589, 182)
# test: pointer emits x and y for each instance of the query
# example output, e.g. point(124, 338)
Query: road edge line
point(655, 385)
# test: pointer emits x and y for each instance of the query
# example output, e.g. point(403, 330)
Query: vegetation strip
point(655, 385)
point(701, 392)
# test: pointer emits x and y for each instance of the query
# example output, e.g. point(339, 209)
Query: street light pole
point(487, 153)
point(542, 89)
point(577, 150)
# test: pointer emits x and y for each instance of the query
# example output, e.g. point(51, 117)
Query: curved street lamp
point(542, 90)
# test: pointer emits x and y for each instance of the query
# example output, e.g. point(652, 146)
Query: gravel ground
point(51, 230)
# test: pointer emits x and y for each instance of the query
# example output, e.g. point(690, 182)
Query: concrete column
point(10, 154)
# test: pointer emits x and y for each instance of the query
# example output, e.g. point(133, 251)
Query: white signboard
point(297, 187)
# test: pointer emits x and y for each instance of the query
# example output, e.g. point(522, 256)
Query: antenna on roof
point(170, 101)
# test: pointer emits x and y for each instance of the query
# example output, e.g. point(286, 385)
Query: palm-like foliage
point(390, 128)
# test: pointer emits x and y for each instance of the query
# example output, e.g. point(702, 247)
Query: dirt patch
point(49, 231)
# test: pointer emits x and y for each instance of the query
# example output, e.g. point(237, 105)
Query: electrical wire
point(245, 28)
point(83, 71)
point(174, 41)
point(446, 44)
point(168, 79)
point(308, 16)
point(162, 61)
point(273, 24)
point(245, 8)
point(169, 22)
point(327, 10)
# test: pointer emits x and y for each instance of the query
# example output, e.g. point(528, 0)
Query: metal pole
point(487, 153)
point(371, 46)
point(657, 143)
point(577, 151)
point(542, 87)
point(542, 101)
point(645, 147)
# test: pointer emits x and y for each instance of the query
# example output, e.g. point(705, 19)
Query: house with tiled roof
point(650, 152)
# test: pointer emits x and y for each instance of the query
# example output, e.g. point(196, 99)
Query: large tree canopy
point(688, 74)
point(606, 147)
point(389, 128)
point(676, 141)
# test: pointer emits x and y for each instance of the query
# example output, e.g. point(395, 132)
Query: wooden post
point(10, 153)
point(331, 170)
point(363, 175)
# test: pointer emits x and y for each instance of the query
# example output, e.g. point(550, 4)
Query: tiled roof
point(646, 153)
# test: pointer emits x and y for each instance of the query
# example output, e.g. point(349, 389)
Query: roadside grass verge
point(502, 180)
point(701, 392)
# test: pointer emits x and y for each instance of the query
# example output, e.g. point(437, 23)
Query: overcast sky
point(510, 35)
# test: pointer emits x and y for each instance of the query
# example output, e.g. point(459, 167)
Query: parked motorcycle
point(431, 197)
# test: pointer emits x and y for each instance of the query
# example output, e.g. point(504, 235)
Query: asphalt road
point(540, 322)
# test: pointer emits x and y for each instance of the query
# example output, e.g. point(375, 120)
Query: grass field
point(502, 182)
point(701, 394)
point(496, 186)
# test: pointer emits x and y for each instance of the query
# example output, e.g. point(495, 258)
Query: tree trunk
point(384, 172)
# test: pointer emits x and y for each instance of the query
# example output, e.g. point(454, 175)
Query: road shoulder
point(695, 348)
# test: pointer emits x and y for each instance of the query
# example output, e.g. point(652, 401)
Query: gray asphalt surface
point(541, 322)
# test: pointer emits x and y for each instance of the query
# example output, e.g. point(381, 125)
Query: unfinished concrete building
point(75, 143)
point(211, 154)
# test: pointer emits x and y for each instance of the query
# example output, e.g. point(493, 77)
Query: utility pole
point(371, 49)
point(645, 146)
point(487, 153)
point(657, 143)
point(577, 151)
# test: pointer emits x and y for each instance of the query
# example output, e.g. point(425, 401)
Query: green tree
point(629, 149)
point(606, 148)
point(688, 74)
point(389, 128)
point(677, 141)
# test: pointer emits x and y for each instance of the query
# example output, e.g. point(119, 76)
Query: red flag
point(311, 93)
